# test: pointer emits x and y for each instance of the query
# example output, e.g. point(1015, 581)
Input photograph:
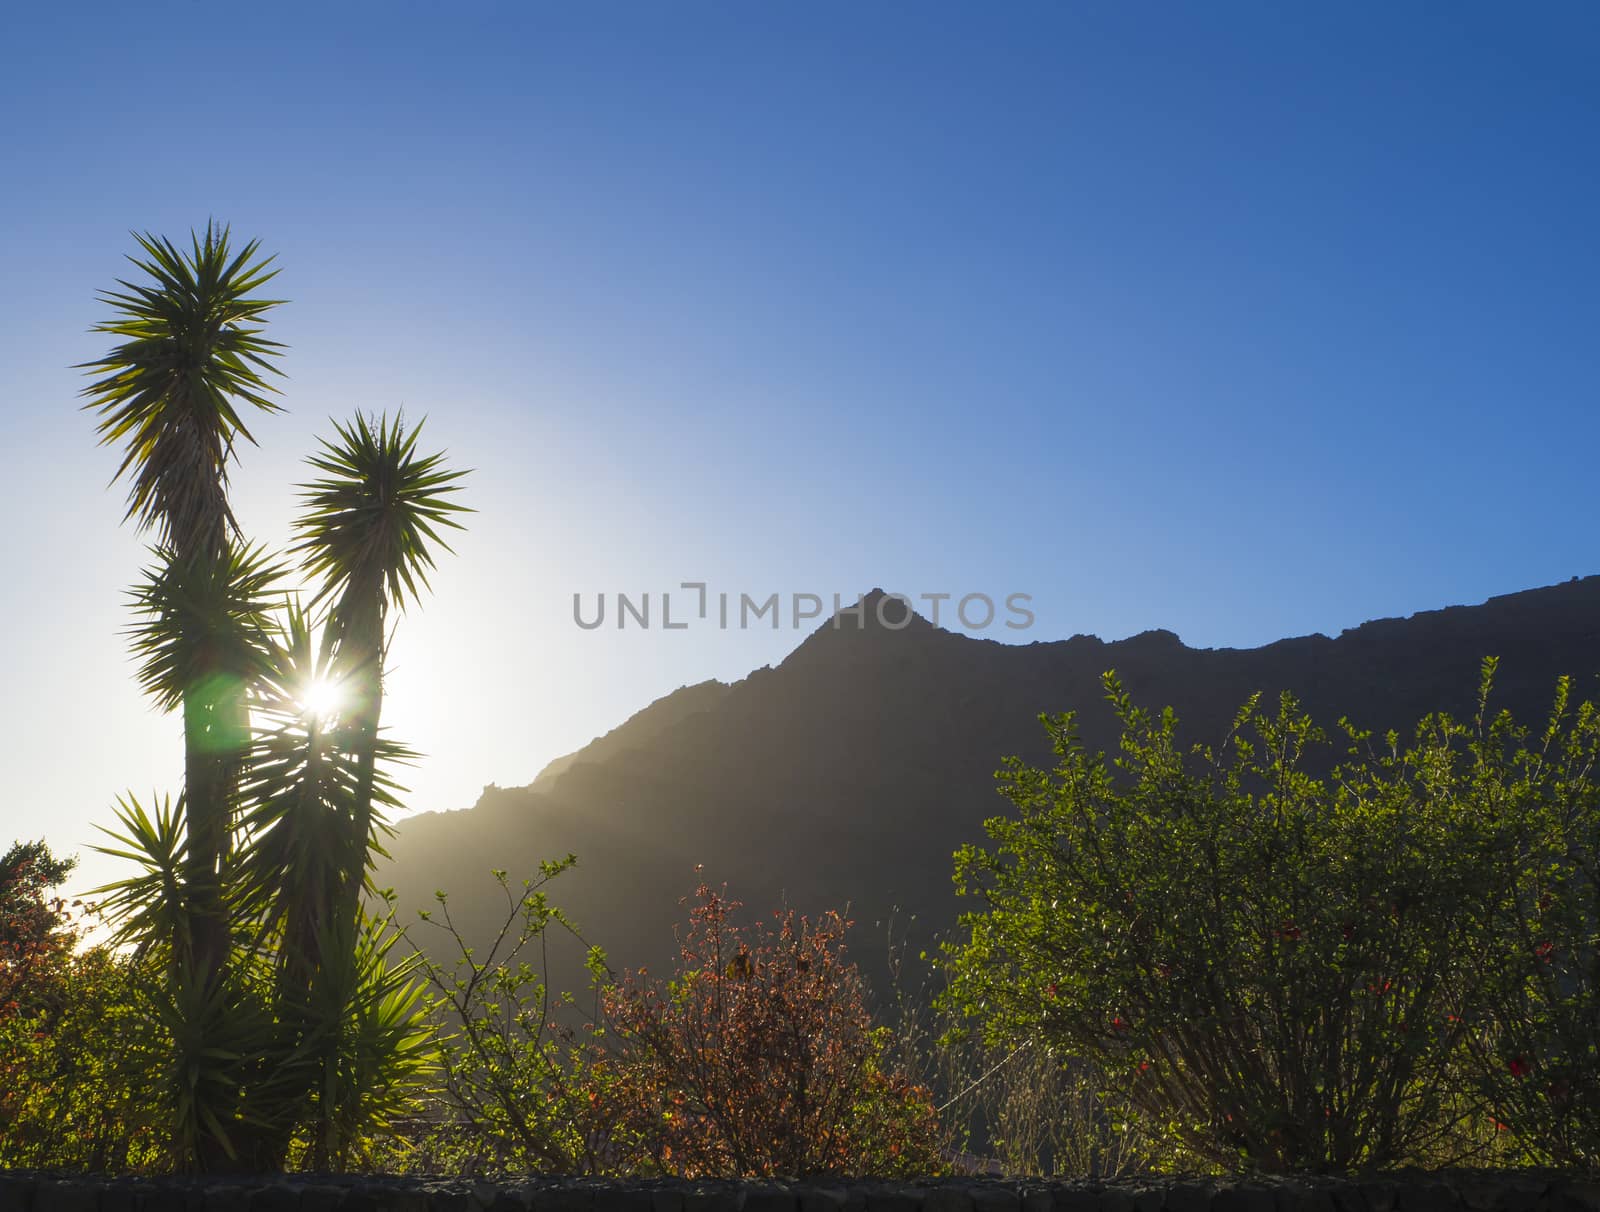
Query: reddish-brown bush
point(758, 1058)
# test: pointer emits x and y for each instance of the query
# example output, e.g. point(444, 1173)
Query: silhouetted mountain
point(851, 771)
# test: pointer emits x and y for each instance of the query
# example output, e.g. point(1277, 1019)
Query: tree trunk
point(363, 645)
point(216, 739)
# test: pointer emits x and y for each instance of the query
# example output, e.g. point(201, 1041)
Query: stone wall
point(1405, 1191)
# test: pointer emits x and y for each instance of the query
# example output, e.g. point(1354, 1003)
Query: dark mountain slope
point(852, 770)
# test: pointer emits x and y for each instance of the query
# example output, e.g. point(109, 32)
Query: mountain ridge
point(851, 770)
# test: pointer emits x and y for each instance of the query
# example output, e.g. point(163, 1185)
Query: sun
point(321, 700)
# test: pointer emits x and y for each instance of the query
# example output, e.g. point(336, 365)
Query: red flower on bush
point(1519, 1066)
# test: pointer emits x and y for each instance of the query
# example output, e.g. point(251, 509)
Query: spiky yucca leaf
point(191, 352)
point(368, 523)
point(202, 620)
point(149, 908)
point(223, 1036)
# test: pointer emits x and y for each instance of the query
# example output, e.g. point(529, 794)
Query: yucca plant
point(371, 1050)
point(217, 1028)
point(367, 529)
point(191, 358)
point(300, 794)
point(283, 1015)
point(319, 786)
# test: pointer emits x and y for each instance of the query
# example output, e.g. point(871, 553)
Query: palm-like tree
point(298, 797)
point(367, 530)
point(318, 783)
point(191, 356)
point(283, 1015)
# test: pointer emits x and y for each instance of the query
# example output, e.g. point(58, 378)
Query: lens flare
point(321, 700)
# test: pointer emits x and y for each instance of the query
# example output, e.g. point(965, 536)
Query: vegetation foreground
point(1180, 958)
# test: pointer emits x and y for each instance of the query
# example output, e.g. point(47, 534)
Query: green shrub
point(1286, 972)
point(1537, 1057)
point(78, 1071)
point(516, 1090)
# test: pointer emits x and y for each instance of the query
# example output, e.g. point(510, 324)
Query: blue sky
point(1244, 320)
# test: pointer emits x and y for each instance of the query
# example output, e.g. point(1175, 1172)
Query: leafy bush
point(758, 1058)
point(516, 1090)
point(78, 1076)
point(1283, 970)
point(76, 1048)
point(1537, 1056)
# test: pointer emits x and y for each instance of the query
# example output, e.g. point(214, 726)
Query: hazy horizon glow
point(1241, 321)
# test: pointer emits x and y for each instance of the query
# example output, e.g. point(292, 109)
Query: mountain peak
point(876, 623)
point(881, 610)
